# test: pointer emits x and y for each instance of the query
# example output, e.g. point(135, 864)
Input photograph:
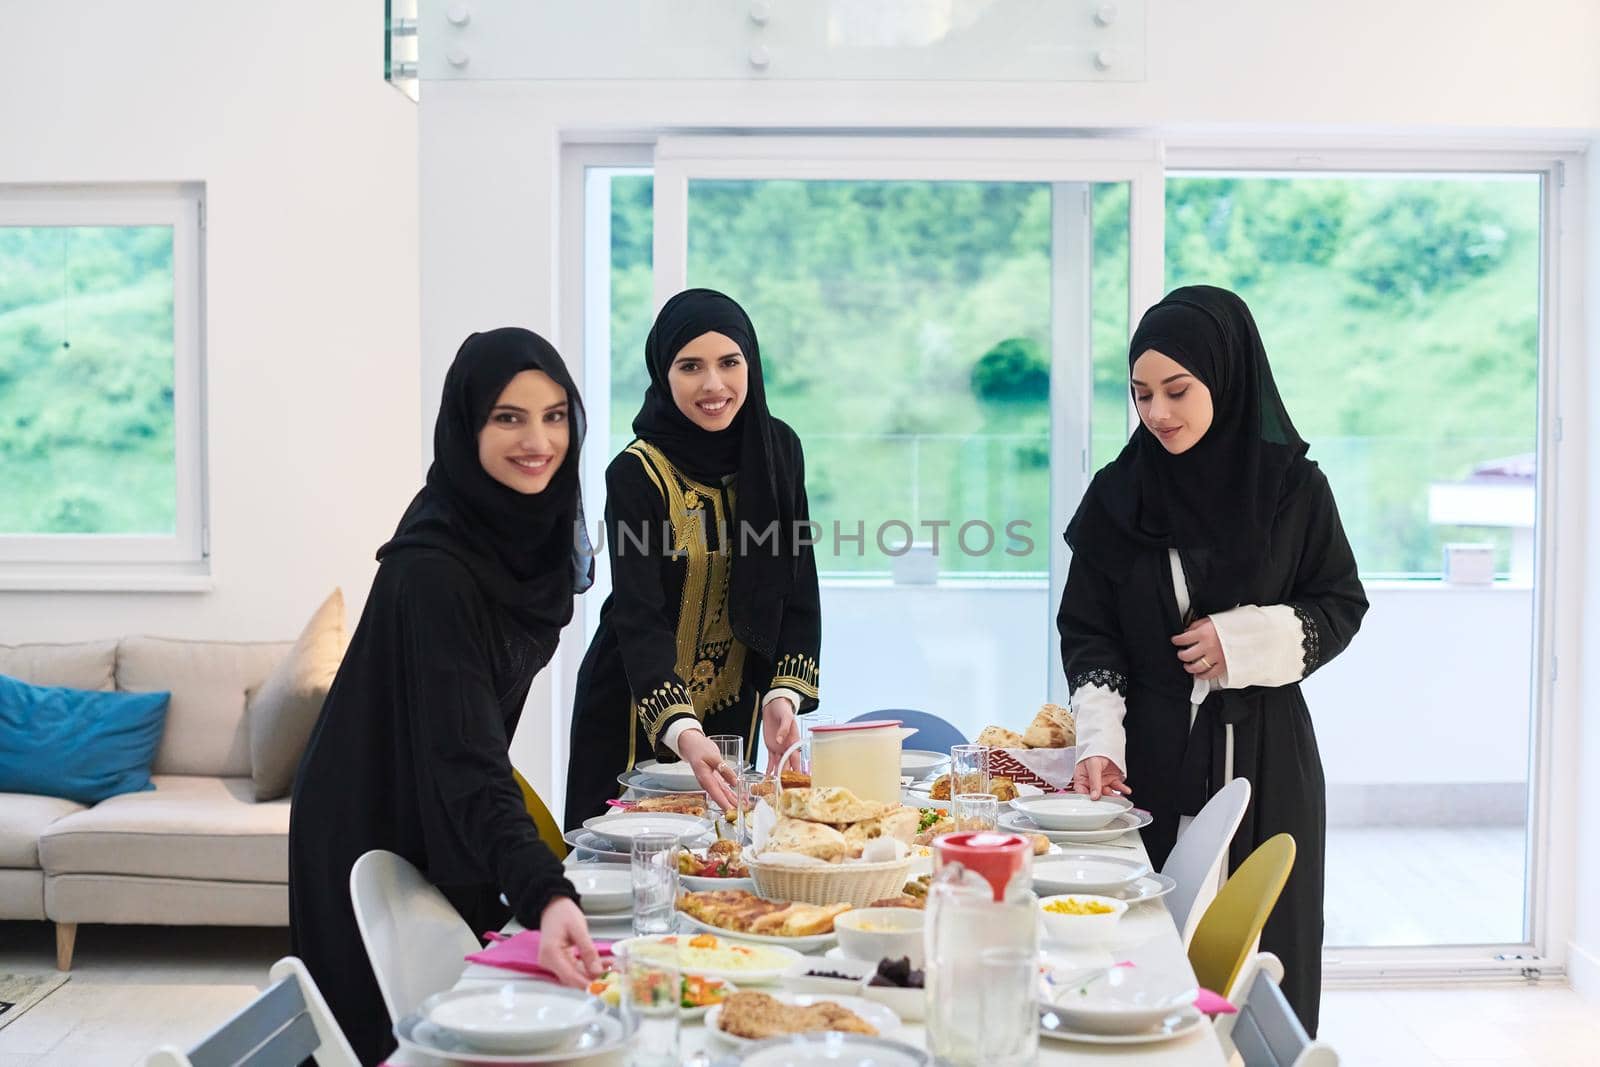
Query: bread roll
point(1000, 737)
point(900, 824)
point(829, 804)
point(1053, 727)
point(808, 839)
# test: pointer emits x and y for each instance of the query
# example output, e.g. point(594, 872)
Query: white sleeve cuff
point(1261, 644)
point(774, 694)
point(1099, 713)
point(675, 730)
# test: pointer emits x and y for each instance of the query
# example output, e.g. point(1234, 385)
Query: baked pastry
point(744, 912)
point(678, 803)
point(761, 1015)
point(1000, 737)
point(808, 839)
point(791, 780)
point(1000, 787)
point(900, 824)
point(830, 804)
point(1053, 727)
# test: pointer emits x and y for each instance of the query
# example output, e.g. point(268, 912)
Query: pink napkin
point(520, 952)
point(1209, 1003)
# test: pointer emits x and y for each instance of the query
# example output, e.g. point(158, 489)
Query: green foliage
point(1014, 369)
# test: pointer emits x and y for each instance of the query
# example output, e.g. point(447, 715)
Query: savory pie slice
point(760, 1015)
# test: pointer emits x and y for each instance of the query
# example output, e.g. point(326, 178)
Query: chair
point(933, 733)
point(1265, 1031)
point(280, 1028)
point(549, 832)
point(416, 940)
point(1227, 932)
point(1195, 862)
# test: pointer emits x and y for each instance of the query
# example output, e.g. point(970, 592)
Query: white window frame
point(1555, 708)
point(178, 561)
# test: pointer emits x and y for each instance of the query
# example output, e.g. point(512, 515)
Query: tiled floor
point(135, 988)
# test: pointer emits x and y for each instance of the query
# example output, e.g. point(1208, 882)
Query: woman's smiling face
point(1172, 403)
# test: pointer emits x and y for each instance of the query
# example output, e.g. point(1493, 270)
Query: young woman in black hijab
point(713, 624)
point(1210, 575)
point(410, 752)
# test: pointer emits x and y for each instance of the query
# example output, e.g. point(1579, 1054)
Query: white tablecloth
point(1146, 937)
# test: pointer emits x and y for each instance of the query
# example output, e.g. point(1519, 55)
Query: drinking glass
point(1009, 1007)
point(975, 811)
point(969, 769)
point(651, 991)
point(655, 884)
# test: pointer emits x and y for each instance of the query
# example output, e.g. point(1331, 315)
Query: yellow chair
point(549, 832)
point(1228, 931)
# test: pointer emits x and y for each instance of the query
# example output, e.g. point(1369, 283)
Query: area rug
point(19, 992)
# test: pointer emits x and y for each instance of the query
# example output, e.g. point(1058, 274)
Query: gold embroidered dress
point(665, 648)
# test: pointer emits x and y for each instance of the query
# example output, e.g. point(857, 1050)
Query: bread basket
point(851, 882)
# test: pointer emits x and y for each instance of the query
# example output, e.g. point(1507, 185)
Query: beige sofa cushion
point(21, 894)
point(187, 827)
point(282, 712)
point(205, 732)
point(124, 898)
point(23, 817)
point(81, 665)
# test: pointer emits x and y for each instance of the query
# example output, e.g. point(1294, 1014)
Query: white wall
point(309, 165)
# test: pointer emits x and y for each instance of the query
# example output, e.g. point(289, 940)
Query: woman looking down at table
point(410, 751)
point(1210, 575)
point(714, 621)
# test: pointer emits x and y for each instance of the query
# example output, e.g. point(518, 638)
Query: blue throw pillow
point(79, 744)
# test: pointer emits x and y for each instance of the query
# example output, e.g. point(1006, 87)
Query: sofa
point(199, 848)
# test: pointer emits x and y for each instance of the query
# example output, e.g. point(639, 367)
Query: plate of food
point(700, 993)
point(720, 866)
point(1128, 821)
point(714, 956)
point(742, 915)
point(751, 1016)
point(936, 793)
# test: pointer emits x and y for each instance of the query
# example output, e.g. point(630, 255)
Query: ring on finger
point(1206, 663)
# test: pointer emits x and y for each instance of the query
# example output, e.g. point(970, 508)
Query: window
point(100, 430)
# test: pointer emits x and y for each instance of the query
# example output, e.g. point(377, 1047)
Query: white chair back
point(1195, 862)
point(1265, 1032)
point(286, 1023)
point(416, 940)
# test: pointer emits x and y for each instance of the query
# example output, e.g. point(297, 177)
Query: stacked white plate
point(1071, 811)
point(1120, 1005)
point(511, 1023)
point(1086, 872)
point(1135, 819)
point(621, 828)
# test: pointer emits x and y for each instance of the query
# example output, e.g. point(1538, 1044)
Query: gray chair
point(1265, 1031)
point(285, 1024)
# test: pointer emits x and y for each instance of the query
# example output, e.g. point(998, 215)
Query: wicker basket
point(856, 884)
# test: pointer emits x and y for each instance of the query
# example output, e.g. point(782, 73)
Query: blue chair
point(933, 733)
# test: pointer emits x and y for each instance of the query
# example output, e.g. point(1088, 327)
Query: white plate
point(1137, 819)
point(1179, 1025)
point(875, 1015)
point(921, 763)
point(783, 959)
point(512, 1017)
point(605, 889)
point(620, 828)
point(1085, 872)
point(675, 776)
point(1150, 887)
point(827, 1050)
point(799, 944)
point(1071, 811)
point(607, 1033)
point(635, 783)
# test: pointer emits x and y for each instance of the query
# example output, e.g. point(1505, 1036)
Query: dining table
point(1146, 937)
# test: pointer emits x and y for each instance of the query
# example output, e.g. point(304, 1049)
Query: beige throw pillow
point(283, 710)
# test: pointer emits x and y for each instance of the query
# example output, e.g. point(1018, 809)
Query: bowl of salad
point(699, 994)
point(720, 866)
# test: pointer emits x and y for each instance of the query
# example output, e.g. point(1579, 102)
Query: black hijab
point(529, 552)
point(1216, 502)
point(762, 576)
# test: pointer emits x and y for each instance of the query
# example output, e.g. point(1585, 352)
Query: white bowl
point(875, 934)
point(798, 980)
point(678, 776)
point(606, 889)
point(1120, 1000)
point(1071, 811)
point(1085, 872)
point(921, 763)
point(910, 1004)
point(1082, 929)
point(620, 828)
point(512, 1016)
